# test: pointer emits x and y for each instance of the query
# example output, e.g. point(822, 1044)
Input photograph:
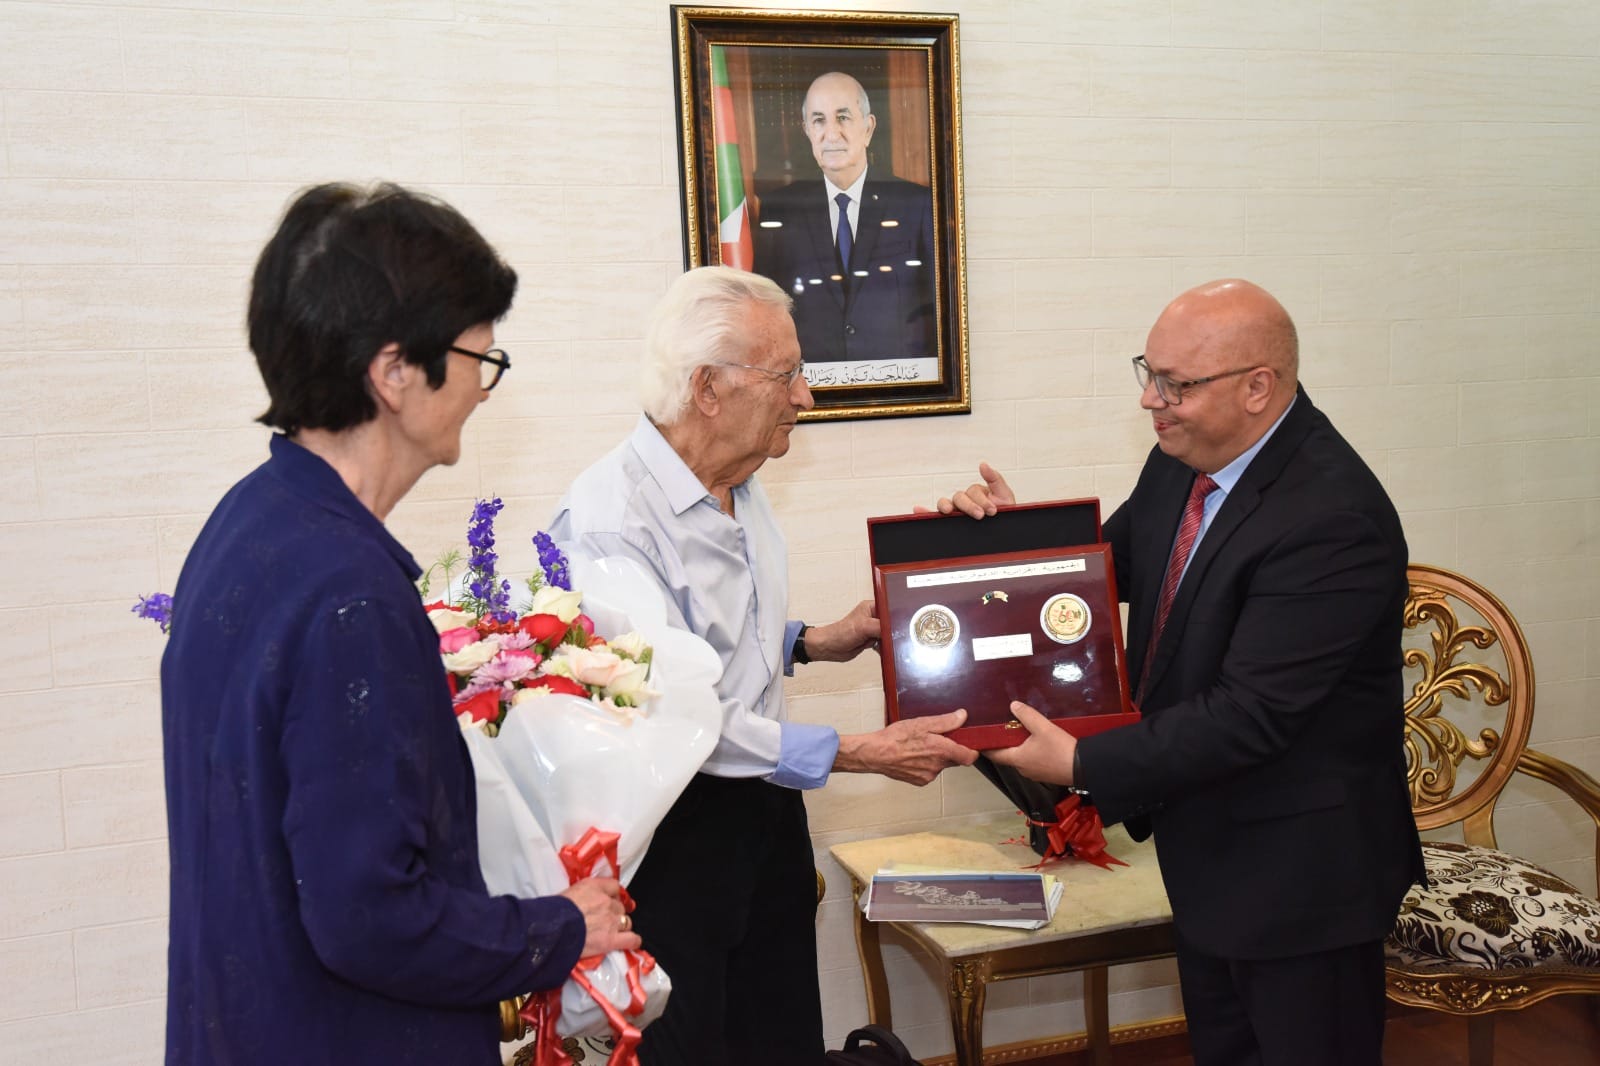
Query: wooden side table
point(1104, 918)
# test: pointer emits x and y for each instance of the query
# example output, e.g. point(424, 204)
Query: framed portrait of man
point(823, 150)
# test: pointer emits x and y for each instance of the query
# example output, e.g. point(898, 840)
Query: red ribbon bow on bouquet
point(1076, 832)
point(543, 1010)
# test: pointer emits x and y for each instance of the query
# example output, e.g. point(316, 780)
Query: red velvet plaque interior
point(980, 629)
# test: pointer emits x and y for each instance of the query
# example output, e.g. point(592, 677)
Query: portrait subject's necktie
point(1188, 531)
point(843, 238)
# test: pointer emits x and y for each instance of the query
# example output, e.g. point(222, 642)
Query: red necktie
point(1188, 531)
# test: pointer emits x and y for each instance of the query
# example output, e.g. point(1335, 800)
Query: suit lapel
point(1245, 498)
point(869, 223)
point(821, 235)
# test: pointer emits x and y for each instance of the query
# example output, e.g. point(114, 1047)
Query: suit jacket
point(890, 313)
point(1269, 761)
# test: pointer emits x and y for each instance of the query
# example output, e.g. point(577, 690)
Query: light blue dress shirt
point(725, 578)
point(1226, 479)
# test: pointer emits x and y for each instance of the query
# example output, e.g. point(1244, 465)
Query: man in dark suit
point(1269, 760)
point(854, 249)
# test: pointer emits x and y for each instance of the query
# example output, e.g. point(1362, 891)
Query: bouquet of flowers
point(580, 744)
point(496, 658)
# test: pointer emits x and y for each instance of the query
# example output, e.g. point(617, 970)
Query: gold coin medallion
point(935, 626)
point(1065, 618)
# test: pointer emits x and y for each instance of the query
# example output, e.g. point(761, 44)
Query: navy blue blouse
point(327, 905)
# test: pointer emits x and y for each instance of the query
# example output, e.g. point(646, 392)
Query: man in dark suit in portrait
point(854, 249)
point(1265, 572)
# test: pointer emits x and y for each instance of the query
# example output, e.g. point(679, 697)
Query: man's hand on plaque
point(1046, 756)
point(911, 750)
point(980, 498)
point(841, 641)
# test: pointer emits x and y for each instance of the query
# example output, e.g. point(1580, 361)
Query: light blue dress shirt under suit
point(726, 579)
point(1226, 479)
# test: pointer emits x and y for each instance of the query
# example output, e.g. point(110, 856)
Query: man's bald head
point(1228, 354)
point(1239, 322)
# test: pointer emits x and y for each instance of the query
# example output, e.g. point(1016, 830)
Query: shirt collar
point(854, 191)
point(1229, 476)
point(310, 476)
point(682, 489)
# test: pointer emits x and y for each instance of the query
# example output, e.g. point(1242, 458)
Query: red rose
point(484, 707)
point(543, 628)
point(557, 683)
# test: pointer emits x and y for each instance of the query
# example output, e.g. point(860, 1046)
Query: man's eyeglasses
point(785, 376)
point(494, 363)
point(1169, 388)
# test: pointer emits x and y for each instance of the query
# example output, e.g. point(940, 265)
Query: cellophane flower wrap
point(580, 743)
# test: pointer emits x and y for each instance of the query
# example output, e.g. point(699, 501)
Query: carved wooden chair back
point(1471, 697)
point(1492, 931)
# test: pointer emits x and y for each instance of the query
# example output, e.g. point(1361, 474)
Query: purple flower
point(492, 597)
point(158, 608)
point(552, 562)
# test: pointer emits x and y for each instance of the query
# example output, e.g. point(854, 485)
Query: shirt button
point(850, 330)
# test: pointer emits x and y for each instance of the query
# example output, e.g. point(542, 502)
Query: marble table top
point(1092, 900)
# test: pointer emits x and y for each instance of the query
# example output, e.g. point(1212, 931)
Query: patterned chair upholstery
point(1493, 932)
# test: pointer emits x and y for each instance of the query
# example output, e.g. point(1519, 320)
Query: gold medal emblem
point(935, 626)
point(1065, 618)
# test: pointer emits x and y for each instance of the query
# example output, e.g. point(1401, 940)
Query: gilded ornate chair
point(1494, 932)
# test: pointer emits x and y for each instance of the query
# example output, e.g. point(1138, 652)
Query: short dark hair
point(351, 270)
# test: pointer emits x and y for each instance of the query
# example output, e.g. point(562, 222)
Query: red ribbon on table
point(1077, 833)
point(543, 1009)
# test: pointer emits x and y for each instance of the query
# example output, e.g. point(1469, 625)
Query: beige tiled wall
point(1419, 181)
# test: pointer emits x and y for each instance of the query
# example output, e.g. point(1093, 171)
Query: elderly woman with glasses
point(326, 901)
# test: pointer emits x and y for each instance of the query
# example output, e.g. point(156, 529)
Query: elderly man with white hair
point(726, 894)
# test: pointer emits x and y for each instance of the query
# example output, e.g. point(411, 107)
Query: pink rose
point(453, 640)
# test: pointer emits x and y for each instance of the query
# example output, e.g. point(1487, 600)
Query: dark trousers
point(727, 904)
point(1325, 1009)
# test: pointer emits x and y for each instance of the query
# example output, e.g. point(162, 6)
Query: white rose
point(472, 656)
point(590, 666)
point(447, 618)
point(559, 602)
point(630, 682)
point(629, 645)
point(613, 675)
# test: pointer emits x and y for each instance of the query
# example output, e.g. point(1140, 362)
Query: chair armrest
point(1583, 789)
point(1578, 785)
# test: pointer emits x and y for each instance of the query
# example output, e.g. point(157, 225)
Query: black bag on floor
point(887, 1050)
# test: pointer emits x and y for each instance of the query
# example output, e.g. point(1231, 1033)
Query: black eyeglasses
point(495, 363)
point(1169, 388)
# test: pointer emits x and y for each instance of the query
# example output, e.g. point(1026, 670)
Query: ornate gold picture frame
point(823, 149)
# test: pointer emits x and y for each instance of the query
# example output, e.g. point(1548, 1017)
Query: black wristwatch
point(798, 653)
